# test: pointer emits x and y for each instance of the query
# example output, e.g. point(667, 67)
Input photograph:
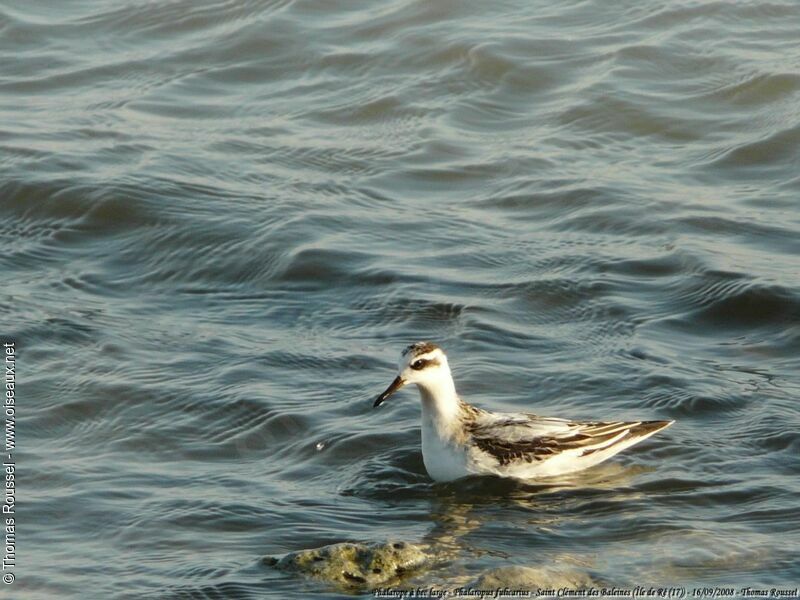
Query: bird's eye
point(418, 364)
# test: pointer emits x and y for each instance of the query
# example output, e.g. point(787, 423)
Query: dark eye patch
point(421, 363)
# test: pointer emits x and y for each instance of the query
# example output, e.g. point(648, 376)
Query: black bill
point(396, 385)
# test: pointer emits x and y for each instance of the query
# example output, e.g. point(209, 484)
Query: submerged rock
point(355, 565)
point(370, 566)
point(530, 578)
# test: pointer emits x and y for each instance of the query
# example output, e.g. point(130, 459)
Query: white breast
point(443, 460)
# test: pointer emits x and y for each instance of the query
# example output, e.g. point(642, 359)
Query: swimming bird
point(459, 439)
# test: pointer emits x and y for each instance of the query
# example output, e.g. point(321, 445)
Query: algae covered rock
point(354, 564)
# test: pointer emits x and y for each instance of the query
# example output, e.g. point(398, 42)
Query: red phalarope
point(460, 440)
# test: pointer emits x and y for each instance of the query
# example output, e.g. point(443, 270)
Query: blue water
point(222, 221)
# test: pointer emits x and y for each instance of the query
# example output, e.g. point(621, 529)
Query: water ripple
point(222, 220)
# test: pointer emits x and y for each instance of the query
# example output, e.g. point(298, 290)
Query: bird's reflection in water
point(532, 509)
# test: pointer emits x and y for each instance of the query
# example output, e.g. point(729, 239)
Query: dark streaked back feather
point(496, 439)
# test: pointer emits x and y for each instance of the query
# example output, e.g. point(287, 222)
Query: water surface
point(223, 220)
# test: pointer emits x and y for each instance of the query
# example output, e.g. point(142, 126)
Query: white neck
point(440, 404)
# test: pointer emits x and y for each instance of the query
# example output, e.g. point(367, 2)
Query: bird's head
point(423, 364)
